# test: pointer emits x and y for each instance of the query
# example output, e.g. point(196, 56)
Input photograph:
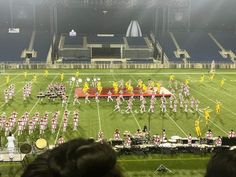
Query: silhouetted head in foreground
point(75, 158)
point(222, 164)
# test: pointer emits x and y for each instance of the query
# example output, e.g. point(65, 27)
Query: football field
point(95, 116)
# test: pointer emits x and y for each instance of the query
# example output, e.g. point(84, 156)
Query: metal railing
point(155, 65)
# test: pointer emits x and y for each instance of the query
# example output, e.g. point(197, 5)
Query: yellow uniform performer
point(218, 107)
point(46, 73)
point(197, 128)
point(62, 77)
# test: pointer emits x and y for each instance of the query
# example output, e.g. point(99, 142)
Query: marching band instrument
point(41, 144)
point(25, 148)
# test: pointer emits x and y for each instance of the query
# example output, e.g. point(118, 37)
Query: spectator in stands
point(222, 164)
point(76, 158)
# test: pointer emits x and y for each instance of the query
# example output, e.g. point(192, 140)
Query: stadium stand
point(13, 44)
point(73, 42)
point(92, 39)
point(227, 40)
point(41, 45)
point(136, 42)
point(200, 47)
point(168, 47)
point(82, 59)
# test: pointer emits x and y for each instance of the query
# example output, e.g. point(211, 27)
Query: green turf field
point(181, 165)
point(94, 117)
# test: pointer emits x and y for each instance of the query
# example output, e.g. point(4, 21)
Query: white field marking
point(221, 92)
point(36, 102)
point(71, 90)
point(183, 130)
point(10, 80)
point(99, 118)
point(213, 101)
point(215, 124)
point(136, 120)
point(218, 127)
point(177, 125)
point(34, 106)
point(230, 83)
point(171, 118)
point(152, 73)
point(15, 94)
point(38, 99)
point(131, 111)
point(125, 73)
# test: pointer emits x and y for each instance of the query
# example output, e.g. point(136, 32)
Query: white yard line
point(215, 125)
point(125, 73)
point(36, 103)
point(171, 119)
point(58, 132)
point(131, 111)
point(152, 73)
point(13, 97)
point(38, 99)
point(221, 91)
point(10, 80)
point(99, 117)
point(212, 101)
point(177, 125)
point(218, 127)
point(136, 120)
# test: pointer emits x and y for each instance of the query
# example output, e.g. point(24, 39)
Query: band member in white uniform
point(97, 97)
point(10, 146)
point(109, 96)
point(121, 95)
point(86, 99)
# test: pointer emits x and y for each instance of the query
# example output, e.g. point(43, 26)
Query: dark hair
point(76, 158)
point(222, 164)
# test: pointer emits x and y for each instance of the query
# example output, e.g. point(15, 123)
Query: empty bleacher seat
point(168, 47)
point(92, 39)
point(82, 59)
point(136, 42)
point(226, 39)
point(200, 47)
point(41, 45)
point(12, 45)
point(73, 41)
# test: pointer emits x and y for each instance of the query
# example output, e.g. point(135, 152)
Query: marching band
point(180, 99)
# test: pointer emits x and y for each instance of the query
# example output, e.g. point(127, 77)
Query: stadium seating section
point(105, 40)
point(75, 41)
point(12, 45)
point(136, 42)
point(41, 45)
point(200, 47)
point(168, 47)
point(227, 40)
point(82, 59)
